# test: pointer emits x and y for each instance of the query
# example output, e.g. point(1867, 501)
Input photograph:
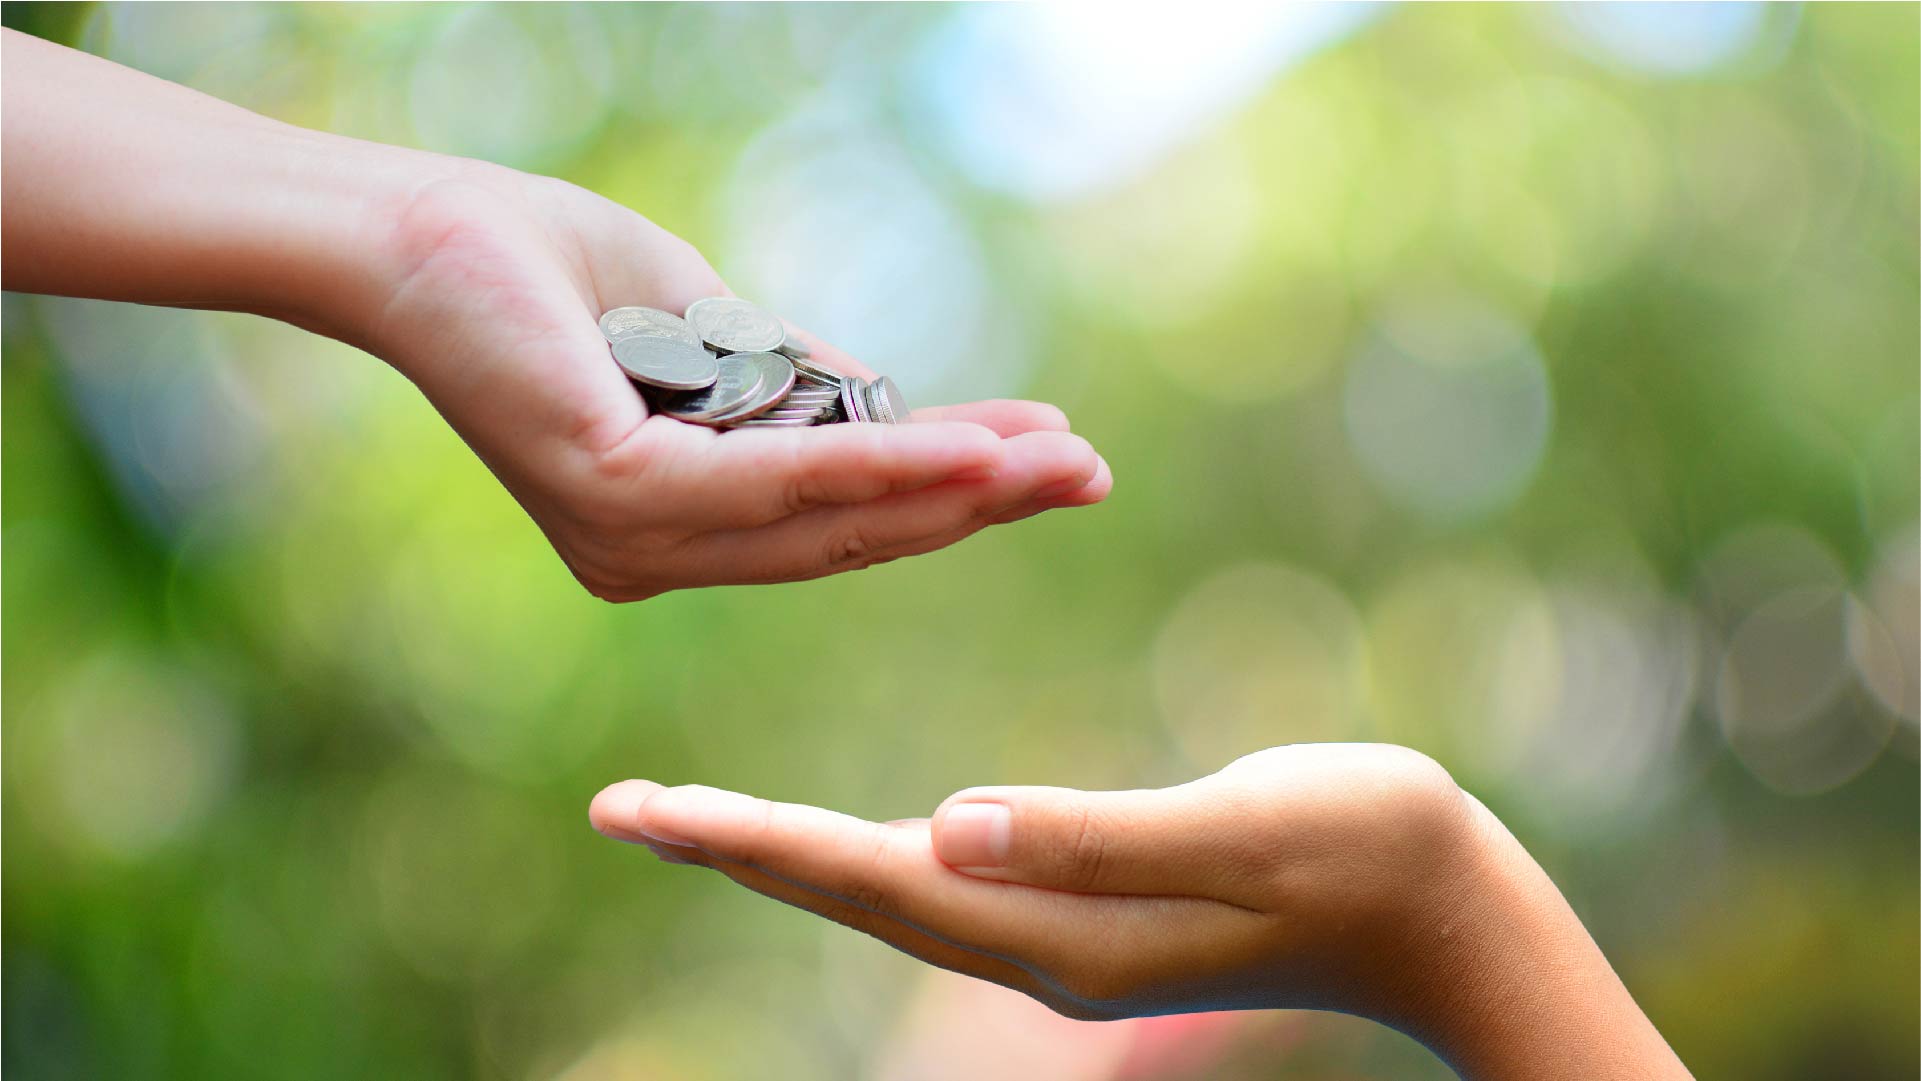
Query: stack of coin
point(728, 364)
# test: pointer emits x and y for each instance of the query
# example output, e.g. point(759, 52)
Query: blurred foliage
point(1468, 383)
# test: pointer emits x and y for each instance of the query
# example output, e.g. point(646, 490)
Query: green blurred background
point(1532, 386)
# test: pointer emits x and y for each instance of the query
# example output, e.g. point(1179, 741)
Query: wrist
point(1516, 987)
point(321, 252)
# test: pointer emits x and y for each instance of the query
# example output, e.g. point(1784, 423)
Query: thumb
point(1190, 840)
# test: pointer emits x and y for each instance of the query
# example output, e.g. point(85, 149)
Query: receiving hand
point(1347, 877)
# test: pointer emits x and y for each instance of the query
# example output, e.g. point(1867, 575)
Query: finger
point(832, 539)
point(1004, 416)
point(611, 811)
point(1097, 951)
point(1094, 491)
point(884, 870)
point(1201, 839)
point(915, 943)
point(615, 808)
point(752, 478)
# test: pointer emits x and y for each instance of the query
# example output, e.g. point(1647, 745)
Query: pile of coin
point(728, 364)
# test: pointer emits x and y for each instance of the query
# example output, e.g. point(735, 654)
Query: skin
point(482, 285)
point(1350, 877)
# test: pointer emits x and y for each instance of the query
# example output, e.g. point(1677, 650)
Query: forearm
point(122, 186)
point(1529, 996)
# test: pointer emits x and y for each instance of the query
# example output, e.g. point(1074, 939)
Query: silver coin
point(758, 422)
point(794, 349)
point(736, 384)
point(782, 413)
point(649, 322)
point(804, 385)
point(853, 405)
point(735, 325)
point(885, 402)
point(667, 363)
point(796, 397)
point(818, 374)
point(777, 378)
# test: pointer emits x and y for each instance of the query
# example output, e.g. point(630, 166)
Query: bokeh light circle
point(1467, 660)
point(1778, 695)
point(819, 212)
point(143, 753)
point(1448, 406)
point(1884, 627)
point(1259, 655)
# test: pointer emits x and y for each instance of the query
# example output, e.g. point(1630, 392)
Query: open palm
point(497, 281)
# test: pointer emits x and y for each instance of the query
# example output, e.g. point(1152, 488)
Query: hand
point(499, 279)
point(483, 286)
point(1346, 877)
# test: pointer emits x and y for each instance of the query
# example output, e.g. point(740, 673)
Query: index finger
point(887, 870)
point(742, 480)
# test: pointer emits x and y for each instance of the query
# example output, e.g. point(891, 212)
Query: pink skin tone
point(482, 285)
point(1350, 877)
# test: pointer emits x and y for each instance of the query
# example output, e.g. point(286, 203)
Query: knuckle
point(1419, 785)
point(756, 837)
point(1083, 856)
point(851, 549)
point(795, 496)
point(865, 890)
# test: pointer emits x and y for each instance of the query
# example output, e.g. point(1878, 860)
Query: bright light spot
point(155, 389)
point(506, 90)
point(1052, 100)
point(830, 224)
point(1171, 251)
point(1448, 407)
point(1625, 685)
point(1884, 627)
point(1668, 38)
point(1599, 211)
point(1259, 655)
point(143, 755)
point(1467, 660)
point(1779, 695)
point(1759, 562)
point(179, 42)
point(1174, 242)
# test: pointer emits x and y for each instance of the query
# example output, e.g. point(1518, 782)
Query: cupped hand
point(488, 300)
point(1319, 876)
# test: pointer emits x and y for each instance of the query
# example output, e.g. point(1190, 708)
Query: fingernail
point(674, 815)
point(615, 808)
point(977, 472)
point(975, 835)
